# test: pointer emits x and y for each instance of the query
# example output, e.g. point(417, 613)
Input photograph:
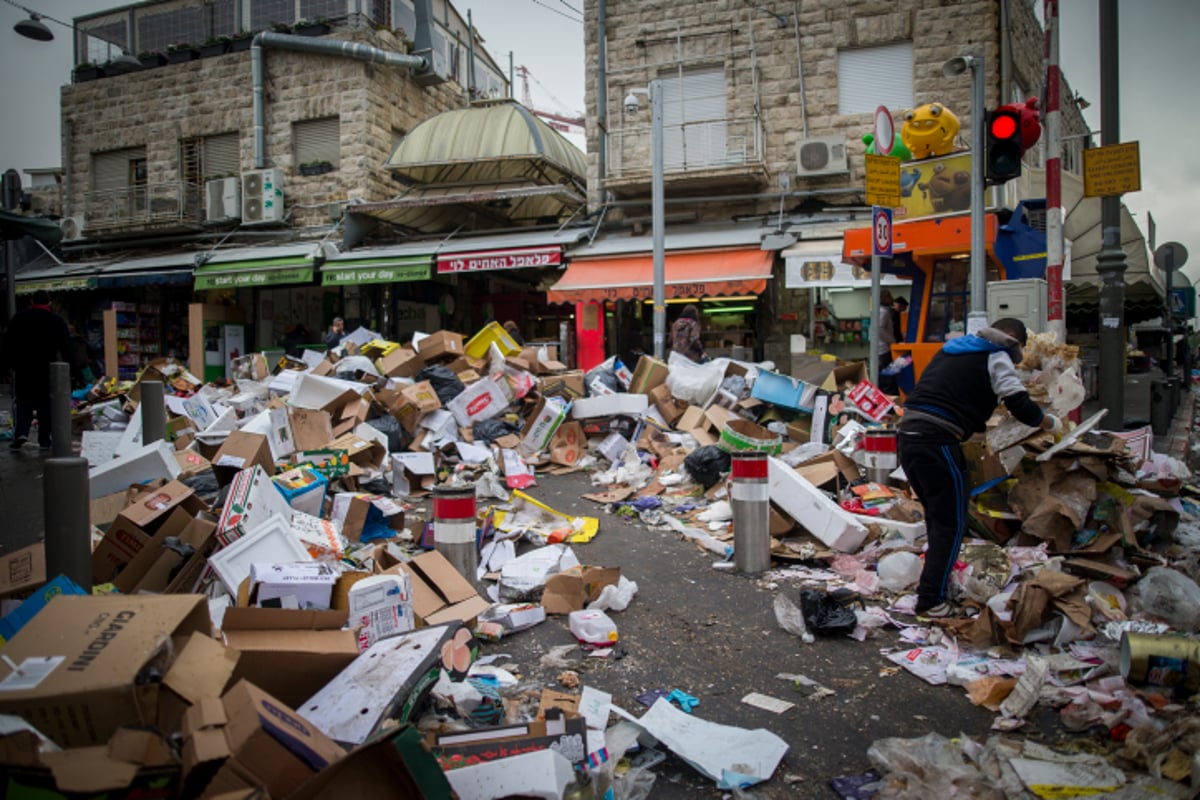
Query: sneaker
point(943, 610)
point(17, 443)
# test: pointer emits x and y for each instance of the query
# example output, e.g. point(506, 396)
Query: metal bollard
point(60, 410)
point(751, 502)
point(454, 528)
point(66, 505)
point(879, 449)
point(153, 411)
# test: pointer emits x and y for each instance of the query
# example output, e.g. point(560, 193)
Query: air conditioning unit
point(821, 155)
point(262, 196)
point(222, 199)
point(72, 228)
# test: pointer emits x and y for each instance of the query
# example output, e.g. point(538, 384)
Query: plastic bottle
point(593, 627)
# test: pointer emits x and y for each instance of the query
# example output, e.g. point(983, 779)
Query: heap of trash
point(295, 584)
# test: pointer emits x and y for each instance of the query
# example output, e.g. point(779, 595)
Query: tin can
point(1171, 661)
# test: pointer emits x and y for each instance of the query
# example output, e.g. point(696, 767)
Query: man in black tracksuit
point(956, 395)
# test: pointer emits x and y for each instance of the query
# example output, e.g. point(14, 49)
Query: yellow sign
point(883, 181)
point(1111, 170)
point(933, 186)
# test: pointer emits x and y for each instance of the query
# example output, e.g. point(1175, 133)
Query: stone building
point(765, 106)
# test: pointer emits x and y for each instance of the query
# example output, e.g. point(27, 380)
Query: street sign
point(1183, 302)
point(1112, 170)
point(883, 181)
point(881, 231)
point(885, 131)
point(1170, 256)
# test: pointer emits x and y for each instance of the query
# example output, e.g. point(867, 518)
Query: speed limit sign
point(881, 231)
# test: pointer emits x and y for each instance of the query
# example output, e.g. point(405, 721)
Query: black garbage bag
point(206, 488)
point(489, 430)
point(605, 377)
point(826, 614)
point(377, 485)
point(445, 383)
point(706, 464)
point(398, 438)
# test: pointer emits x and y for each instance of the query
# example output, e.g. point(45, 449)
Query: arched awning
point(708, 273)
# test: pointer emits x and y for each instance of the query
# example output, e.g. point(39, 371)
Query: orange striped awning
point(708, 273)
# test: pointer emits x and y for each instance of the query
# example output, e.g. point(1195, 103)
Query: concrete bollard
point(153, 411)
point(879, 449)
point(751, 503)
point(66, 505)
point(60, 411)
point(454, 528)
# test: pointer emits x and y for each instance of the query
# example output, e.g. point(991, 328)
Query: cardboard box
point(568, 385)
point(422, 396)
point(828, 466)
point(34, 603)
point(388, 681)
point(481, 400)
point(413, 474)
point(358, 512)
point(784, 391)
point(542, 423)
point(288, 653)
point(440, 593)
point(155, 460)
point(809, 506)
point(381, 606)
point(22, 570)
point(262, 743)
point(132, 764)
point(191, 463)
point(121, 544)
point(149, 509)
point(397, 764)
point(575, 587)
point(151, 569)
point(104, 643)
point(321, 537)
point(311, 428)
point(303, 489)
point(242, 451)
point(565, 734)
point(303, 585)
point(441, 346)
point(402, 363)
point(203, 669)
point(609, 405)
point(667, 404)
point(826, 374)
point(649, 373)
point(252, 501)
point(361, 450)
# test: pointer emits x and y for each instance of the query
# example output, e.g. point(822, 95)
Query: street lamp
point(654, 90)
point(33, 28)
point(977, 317)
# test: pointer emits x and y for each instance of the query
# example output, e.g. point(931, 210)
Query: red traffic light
point(1003, 126)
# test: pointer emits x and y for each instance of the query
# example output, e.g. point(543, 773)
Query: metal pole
point(153, 411)
point(876, 277)
point(60, 410)
point(1169, 321)
point(10, 198)
point(750, 499)
point(977, 318)
point(454, 528)
point(657, 214)
point(1110, 263)
point(1055, 320)
point(66, 506)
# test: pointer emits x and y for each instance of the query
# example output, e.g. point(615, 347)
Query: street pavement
point(708, 631)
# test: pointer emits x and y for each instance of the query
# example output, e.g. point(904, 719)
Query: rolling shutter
point(110, 170)
point(869, 77)
point(317, 140)
point(221, 156)
point(694, 119)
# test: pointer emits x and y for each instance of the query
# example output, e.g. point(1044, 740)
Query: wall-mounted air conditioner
point(222, 199)
point(72, 228)
point(262, 196)
point(821, 155)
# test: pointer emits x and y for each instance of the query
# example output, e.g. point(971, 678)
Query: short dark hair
point(1013, 327)
point(902, 302)
point(40, 298)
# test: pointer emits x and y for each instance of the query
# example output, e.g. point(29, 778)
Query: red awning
point(709, 273)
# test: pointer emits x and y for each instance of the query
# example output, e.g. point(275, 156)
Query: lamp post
point(977, 317)
point(33, 28)
point(657, 215)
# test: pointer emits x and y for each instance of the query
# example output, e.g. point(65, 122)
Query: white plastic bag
point(898, 571)
point(615, 597)
point(694, 383)
point(1168, 595)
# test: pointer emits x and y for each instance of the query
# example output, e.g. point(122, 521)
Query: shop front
point(387, 291)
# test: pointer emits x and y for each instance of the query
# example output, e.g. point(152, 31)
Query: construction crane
point(559, 122)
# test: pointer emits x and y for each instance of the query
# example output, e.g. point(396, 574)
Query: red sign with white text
point(484, 260)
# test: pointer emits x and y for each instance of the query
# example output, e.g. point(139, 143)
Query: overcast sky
point(1159, 60)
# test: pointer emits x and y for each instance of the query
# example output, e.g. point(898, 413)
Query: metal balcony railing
point(152, 205)
point(687, 147)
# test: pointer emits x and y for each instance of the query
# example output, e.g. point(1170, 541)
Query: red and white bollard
point(879, 454)
point(751, 502)
point(454, 528)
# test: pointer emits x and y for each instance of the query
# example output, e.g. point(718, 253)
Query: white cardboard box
point(269, 543)
point(252, 501)
point(155, 460)
point(606, 406)
point(382, 606)
point(482, 400)
point(809, 506)
point(295, 585)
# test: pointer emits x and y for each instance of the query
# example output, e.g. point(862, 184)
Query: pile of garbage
point(307, 566)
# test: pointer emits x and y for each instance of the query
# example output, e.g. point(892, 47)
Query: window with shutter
point(316, 140)
point(694, 119)
point(869, 77)
point(113, 170)
point(221, 155)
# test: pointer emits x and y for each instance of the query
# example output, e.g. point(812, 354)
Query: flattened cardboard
point(134, 763)
point(151, 508)
point(567, 735)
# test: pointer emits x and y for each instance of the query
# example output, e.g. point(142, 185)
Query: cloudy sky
point(1158, 59)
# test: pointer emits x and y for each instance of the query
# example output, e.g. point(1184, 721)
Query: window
point(119, 169)
point(405, 17)
point(316, 140)
point(869, 77)
point(949, 298)
point(694, 119)
point(208, 157)
point(264, 12)
point(318, 9)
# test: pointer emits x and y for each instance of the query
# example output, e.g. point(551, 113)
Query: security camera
point(631, 104)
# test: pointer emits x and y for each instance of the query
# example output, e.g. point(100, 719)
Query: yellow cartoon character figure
point(929, 130)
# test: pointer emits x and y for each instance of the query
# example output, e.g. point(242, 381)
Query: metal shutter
point(111, 170)
point(869, 77)
point(221, 156)
point(317, 140)
point(694, 119)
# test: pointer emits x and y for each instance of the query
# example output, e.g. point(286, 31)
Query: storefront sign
point(250, 278)
point(393, 273)
point(484, 260)
point(936, 186)
point(55, 285)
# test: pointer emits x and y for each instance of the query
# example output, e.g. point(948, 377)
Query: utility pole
point(1110, 263)
point(1055, 321)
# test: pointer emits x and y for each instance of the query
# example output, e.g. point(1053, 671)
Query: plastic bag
point(1169, 595)
point(488, 430)
point(898, 571)
point(615, 597)
point(825, 615)
point(694, 383)
point(791, 618)
point(931, 766)
point(444, 382)
point(398, 439)
point(706, 464)
point(602, 378)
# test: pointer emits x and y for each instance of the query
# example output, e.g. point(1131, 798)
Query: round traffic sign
point(882, 230)
point(885, 131)
point(1170, 256)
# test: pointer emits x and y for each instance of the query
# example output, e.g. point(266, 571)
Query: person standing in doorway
point(899, 309)
point(337, 330)
point(36, 338)
point(685, 334)
point(885, 337)
point(953, 400)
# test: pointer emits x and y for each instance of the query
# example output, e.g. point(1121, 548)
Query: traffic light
point(1003, 144)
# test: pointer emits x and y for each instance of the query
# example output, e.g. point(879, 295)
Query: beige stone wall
point(159, 107)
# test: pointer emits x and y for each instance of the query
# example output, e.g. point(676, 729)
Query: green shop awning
point(255, 272)
point(376, 270)
point(54, 284)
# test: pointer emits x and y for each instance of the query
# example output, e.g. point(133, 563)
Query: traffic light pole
point(1110, 263)
point(977, 318)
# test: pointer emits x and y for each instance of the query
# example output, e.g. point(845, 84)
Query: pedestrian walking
point(36, 338)
point(337, 330)
point(685, 334)
point(953, 400)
